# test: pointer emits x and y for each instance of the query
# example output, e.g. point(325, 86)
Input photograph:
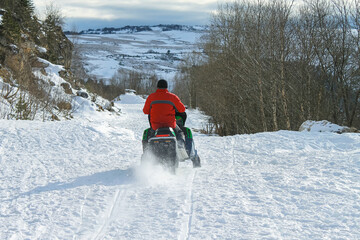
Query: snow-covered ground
point(150, 52)
point(81, 179)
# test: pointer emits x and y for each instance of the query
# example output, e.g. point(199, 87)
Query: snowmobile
point(163, 146)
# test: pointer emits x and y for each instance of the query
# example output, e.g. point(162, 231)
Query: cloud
point(153, 18)
point(112, 10)
point(102, 13)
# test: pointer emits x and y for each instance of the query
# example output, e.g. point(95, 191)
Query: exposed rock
point(82, 94)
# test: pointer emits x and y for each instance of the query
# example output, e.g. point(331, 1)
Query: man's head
point(162, 84)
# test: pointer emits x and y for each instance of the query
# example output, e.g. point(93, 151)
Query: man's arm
point(178, 104)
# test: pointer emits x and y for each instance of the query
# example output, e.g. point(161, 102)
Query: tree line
point(271, 65)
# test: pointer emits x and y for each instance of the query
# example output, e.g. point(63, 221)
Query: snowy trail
point(81, 179)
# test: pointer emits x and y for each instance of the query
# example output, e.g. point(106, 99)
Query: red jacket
point(161, 106)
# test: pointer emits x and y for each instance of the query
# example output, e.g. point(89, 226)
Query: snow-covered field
point(81, 179)
point(150, 52)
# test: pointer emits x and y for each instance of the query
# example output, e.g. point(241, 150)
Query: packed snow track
point(82, 179)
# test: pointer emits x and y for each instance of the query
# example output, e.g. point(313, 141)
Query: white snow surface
point(81, 179)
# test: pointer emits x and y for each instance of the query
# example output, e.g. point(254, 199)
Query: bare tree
point(267, 67)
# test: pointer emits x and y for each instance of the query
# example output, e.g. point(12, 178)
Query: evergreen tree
point(8, 4)
point(25, 12)
point(27, 7)
point(11, 26)
point(18, 18)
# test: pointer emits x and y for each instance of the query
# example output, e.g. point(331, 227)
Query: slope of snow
point(81, 179)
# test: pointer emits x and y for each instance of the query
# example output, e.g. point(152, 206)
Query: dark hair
point(162, 84)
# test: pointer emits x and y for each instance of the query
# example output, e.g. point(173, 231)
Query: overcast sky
point(84, 14)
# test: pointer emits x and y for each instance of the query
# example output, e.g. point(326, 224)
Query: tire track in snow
point(81, 212)
point(114, 211)
point(186, 226)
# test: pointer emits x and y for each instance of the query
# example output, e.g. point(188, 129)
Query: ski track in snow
point(114, 212)
point(81, 179)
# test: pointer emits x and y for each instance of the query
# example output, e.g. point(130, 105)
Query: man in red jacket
point(161, 107)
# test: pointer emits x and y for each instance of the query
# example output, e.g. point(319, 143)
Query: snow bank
point(83, 106)
point(322, 126)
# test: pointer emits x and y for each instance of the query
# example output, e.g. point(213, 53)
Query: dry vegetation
point(271, 66)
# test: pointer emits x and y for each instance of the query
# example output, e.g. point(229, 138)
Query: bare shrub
point(64, 106)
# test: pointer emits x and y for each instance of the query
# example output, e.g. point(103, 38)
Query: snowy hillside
point(53, 84)
point(153, 50)
point(81, 179)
